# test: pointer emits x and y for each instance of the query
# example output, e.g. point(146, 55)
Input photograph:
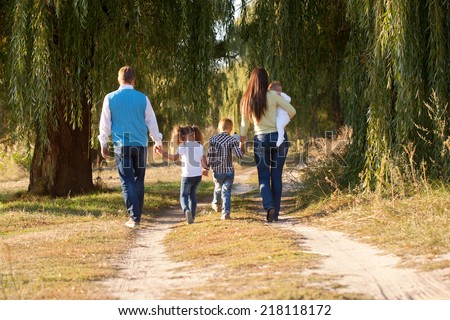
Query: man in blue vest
point(127, 116)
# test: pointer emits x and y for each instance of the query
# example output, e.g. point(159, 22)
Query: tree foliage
point(64, 57)
point(300, 43)
point(396, 89)
point(381, 66)
point(3, 55)
point(181, 56)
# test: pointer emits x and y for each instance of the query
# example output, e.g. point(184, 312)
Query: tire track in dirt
point(147, 272)
point(362, 268)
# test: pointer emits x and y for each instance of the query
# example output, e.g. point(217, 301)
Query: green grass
point(49, 252)
point(56, 248)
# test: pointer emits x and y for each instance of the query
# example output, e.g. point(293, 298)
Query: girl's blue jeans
point(188, 193)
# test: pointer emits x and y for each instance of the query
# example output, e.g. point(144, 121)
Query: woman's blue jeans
point(188, 193)
point(131, 163)
point(270, 161)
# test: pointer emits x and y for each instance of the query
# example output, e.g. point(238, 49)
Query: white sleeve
point(286, 97)
point(105, 124)
point(152, 124)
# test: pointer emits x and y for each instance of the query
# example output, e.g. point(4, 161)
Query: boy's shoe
point(270, 214)
point(216, 207)
point(225, 216)
point(189, 218)
point(131, 223)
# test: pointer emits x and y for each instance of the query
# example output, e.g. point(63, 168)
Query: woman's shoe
point(270, 214)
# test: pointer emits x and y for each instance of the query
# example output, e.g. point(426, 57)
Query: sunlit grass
point(55, 248)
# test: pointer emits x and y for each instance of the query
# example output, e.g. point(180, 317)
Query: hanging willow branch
point(383, 58)
point(405, 65)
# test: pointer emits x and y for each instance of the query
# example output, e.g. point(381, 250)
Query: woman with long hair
point(259, 106)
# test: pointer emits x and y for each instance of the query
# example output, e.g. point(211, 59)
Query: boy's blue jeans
point(188, 193)
point(223, 182)
point(131, 163)
point(270, 161)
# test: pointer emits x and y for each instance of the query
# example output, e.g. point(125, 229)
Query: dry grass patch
point(60, 261)
point(56, 248)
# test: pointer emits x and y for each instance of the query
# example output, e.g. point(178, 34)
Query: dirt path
point(367, 270)
point(146, 271)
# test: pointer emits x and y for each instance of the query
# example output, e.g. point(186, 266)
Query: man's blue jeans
point(270, 161)
point(223, 182)
point(188, 193)
point(131, 163)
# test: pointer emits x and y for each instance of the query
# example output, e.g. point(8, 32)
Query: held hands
point(242, 144)
point(158, 150)
point(105, 152)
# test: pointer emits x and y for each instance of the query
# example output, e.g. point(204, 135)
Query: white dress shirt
point(150, 121)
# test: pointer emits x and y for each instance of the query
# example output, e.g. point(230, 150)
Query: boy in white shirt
point(282, 116)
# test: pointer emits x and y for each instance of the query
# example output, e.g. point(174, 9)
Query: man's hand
point(157, 149)
point(105, 152)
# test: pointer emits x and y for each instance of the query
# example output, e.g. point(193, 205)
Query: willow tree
point(385, 64)
point(3, 54)
point(188, 58)
point(395, 85)
point(64, 57)
point(301, 43)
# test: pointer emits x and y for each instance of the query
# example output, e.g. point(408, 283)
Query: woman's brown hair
point(254, 100)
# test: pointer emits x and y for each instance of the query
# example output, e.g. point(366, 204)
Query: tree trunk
point(336, 110)
point(64, 166)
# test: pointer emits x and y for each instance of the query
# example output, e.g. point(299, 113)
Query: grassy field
point(60, 248)
point(56, 248)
